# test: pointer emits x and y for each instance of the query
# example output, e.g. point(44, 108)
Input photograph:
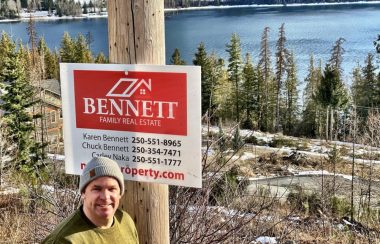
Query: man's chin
point(105, 212)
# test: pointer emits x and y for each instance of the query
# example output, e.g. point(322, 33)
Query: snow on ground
point(316, 148)
point(56, 157)
point(7, 190)
point(44, 16)
point(266, 240)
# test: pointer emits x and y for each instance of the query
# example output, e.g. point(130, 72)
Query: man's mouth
point(105, 205)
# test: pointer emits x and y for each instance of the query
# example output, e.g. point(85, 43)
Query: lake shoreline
point(290, 5)
point(44, 16)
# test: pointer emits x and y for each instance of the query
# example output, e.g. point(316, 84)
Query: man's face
point(101, 200)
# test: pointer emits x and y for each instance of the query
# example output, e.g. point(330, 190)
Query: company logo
point(152, 102)
point(132, 86)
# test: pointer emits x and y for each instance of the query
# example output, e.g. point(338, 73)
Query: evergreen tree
point(50, 60)
point(309, 125)
point(336, 58)
point(67, 50)
point(176, 58)
point(216, 76)
point(291, 96)
point(371, 85)
point(202, 60)
point(357, 85)
point(224, 92)
point(82, 53)
point(366, 87)
point(91, 7)
point(264, 68)
point(237, 141)
point(234, 70)
point(331, 94)
point(85, 11)
point(249, 92)
point(101, 59)
point(281, 54)
point(17, 100)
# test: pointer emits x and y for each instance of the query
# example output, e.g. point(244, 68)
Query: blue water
point(309, 30)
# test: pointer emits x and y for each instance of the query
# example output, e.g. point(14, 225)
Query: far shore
point(43, 15)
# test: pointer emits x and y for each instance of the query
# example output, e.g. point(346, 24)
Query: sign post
point(136, 34)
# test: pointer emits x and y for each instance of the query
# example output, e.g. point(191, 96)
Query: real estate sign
point(145, 117)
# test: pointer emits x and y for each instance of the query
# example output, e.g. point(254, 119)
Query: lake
point(309, 29)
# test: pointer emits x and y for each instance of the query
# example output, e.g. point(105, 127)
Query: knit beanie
point(98, 167)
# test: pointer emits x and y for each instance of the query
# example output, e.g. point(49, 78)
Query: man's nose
point(105, 194)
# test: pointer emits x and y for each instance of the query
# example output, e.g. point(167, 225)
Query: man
point(98, 220)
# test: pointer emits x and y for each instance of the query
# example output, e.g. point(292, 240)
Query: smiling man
point(98, 220)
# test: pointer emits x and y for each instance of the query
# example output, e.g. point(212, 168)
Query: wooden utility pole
point(136, 36)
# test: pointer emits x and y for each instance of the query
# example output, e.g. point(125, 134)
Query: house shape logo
point(126, 87)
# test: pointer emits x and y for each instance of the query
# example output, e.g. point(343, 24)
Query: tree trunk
point(327, 123)
point(136, 36)
point(331, 123)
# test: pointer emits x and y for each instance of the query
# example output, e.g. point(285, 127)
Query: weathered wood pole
point(136, 36)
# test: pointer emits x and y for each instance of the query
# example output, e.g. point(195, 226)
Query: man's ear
point(82, 196)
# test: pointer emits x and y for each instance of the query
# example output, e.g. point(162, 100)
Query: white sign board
point(145, 117)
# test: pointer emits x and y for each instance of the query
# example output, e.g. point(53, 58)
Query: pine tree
point(249, 92)
point(101, 59)
point(336, 58)
point(17, 100)
point(357, 85)
point(202, 60)
point(67, 50)
point(224, 92)
point(281, 54)
point(216, 76)
point(331, 94)
point(371, 86)
point(264, 67)
point(82, 53)
point(176, 58)
point(309, 125)
point(85, 11)
point(234, 70)
point(50, 60)
point(237, 141)
point(291, 96)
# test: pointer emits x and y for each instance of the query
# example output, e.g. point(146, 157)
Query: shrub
point(247, 124)
point(340, 207)
point(251, 139)
point(281, 141)
point(306, 202)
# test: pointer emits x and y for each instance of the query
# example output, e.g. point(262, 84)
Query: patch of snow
point(9, 190)
point(210, 151)
point(340, 227)
point(47, 188)
point(266, 240)
point(247, 156)
point(56, 157)
point(235, 157)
